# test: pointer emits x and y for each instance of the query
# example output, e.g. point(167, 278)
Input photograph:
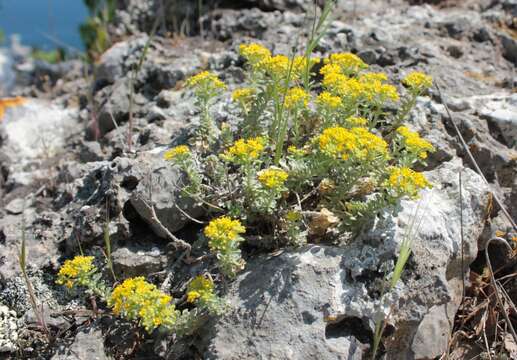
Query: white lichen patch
point(8, 330)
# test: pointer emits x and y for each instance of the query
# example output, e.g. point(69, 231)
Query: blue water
point(39, 20)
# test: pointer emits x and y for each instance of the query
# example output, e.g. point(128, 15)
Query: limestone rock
point(88, 344)
point(322, 301)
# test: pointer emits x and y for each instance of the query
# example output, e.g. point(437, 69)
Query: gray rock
point(52, 322)
point(509, 47)
point(111, 64)
point(90, 151)
point(42, 248)
point(501, 111)
point(285, 4)
point(137, 261)
point(322, 301)
point(115, 108)
point(88, 344)
point(160, 184)
point(16, 206)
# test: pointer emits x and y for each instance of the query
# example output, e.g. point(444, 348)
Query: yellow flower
point(328, 100)
point(200, 288)
point(243, 151)
point(330, 69)
point(334, 82)
point(372, 77)
point(223, 231)
point(356, 143)
point(293, 216)
point(136, 299)
point(272, 178)
point(413, 143)
point(349, 88)
point(293, 150)
point(176, 153)
point(376, 91)
point(348, 62)
point(418, 81)
point(276, 66)
point(243, 95)
point(254, 53)
point(356, 121)
point(296, 97)
point(193, 296)
point(205, 82)
point(405, 181)
point(75, 271)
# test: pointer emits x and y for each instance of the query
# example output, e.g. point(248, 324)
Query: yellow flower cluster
point(75, 271)
point(326, 99)
point(356, 143)
point(293, 150)
point(200, 288)
point(330, 69)
point(370, 77)
point(355, 121)
point(243, 95)
point(369, 87)
point(296, 97)
point(418, 81)
point(245, 150)
point(348, 62)
point(403, 180)
point(375, 90)
point(254, 53)
point(223, 231)
point(414, 143)
point(136, 299)
point(206, 81)
point(176, 153)
point(273, 177)
point(278, 66)
point(334, 81)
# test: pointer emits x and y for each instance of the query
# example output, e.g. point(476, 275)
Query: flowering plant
point(298, 152)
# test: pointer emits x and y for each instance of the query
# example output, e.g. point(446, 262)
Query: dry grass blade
point(494, 284)
point(178, 243)
point(473, 160)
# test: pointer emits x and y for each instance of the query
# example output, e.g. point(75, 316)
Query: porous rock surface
point(66, 169)
point(317, 302)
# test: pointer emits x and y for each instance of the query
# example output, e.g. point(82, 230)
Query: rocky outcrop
point(322, 301)
point(68, 174)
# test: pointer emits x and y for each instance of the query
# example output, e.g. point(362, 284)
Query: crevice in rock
point(349, 327)
point(495, 131)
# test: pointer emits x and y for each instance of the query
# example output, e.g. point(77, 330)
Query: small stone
point(482, 34)
point(458, 104)
point(137, 261)
point(16, 206)
point(455, 51)
point(90, 151)
point(368, 56)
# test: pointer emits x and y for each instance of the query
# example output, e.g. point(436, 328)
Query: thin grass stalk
point(107, 246)
point(405, 252)
point(22, 260)
point(473, 160)
point(319, 29)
